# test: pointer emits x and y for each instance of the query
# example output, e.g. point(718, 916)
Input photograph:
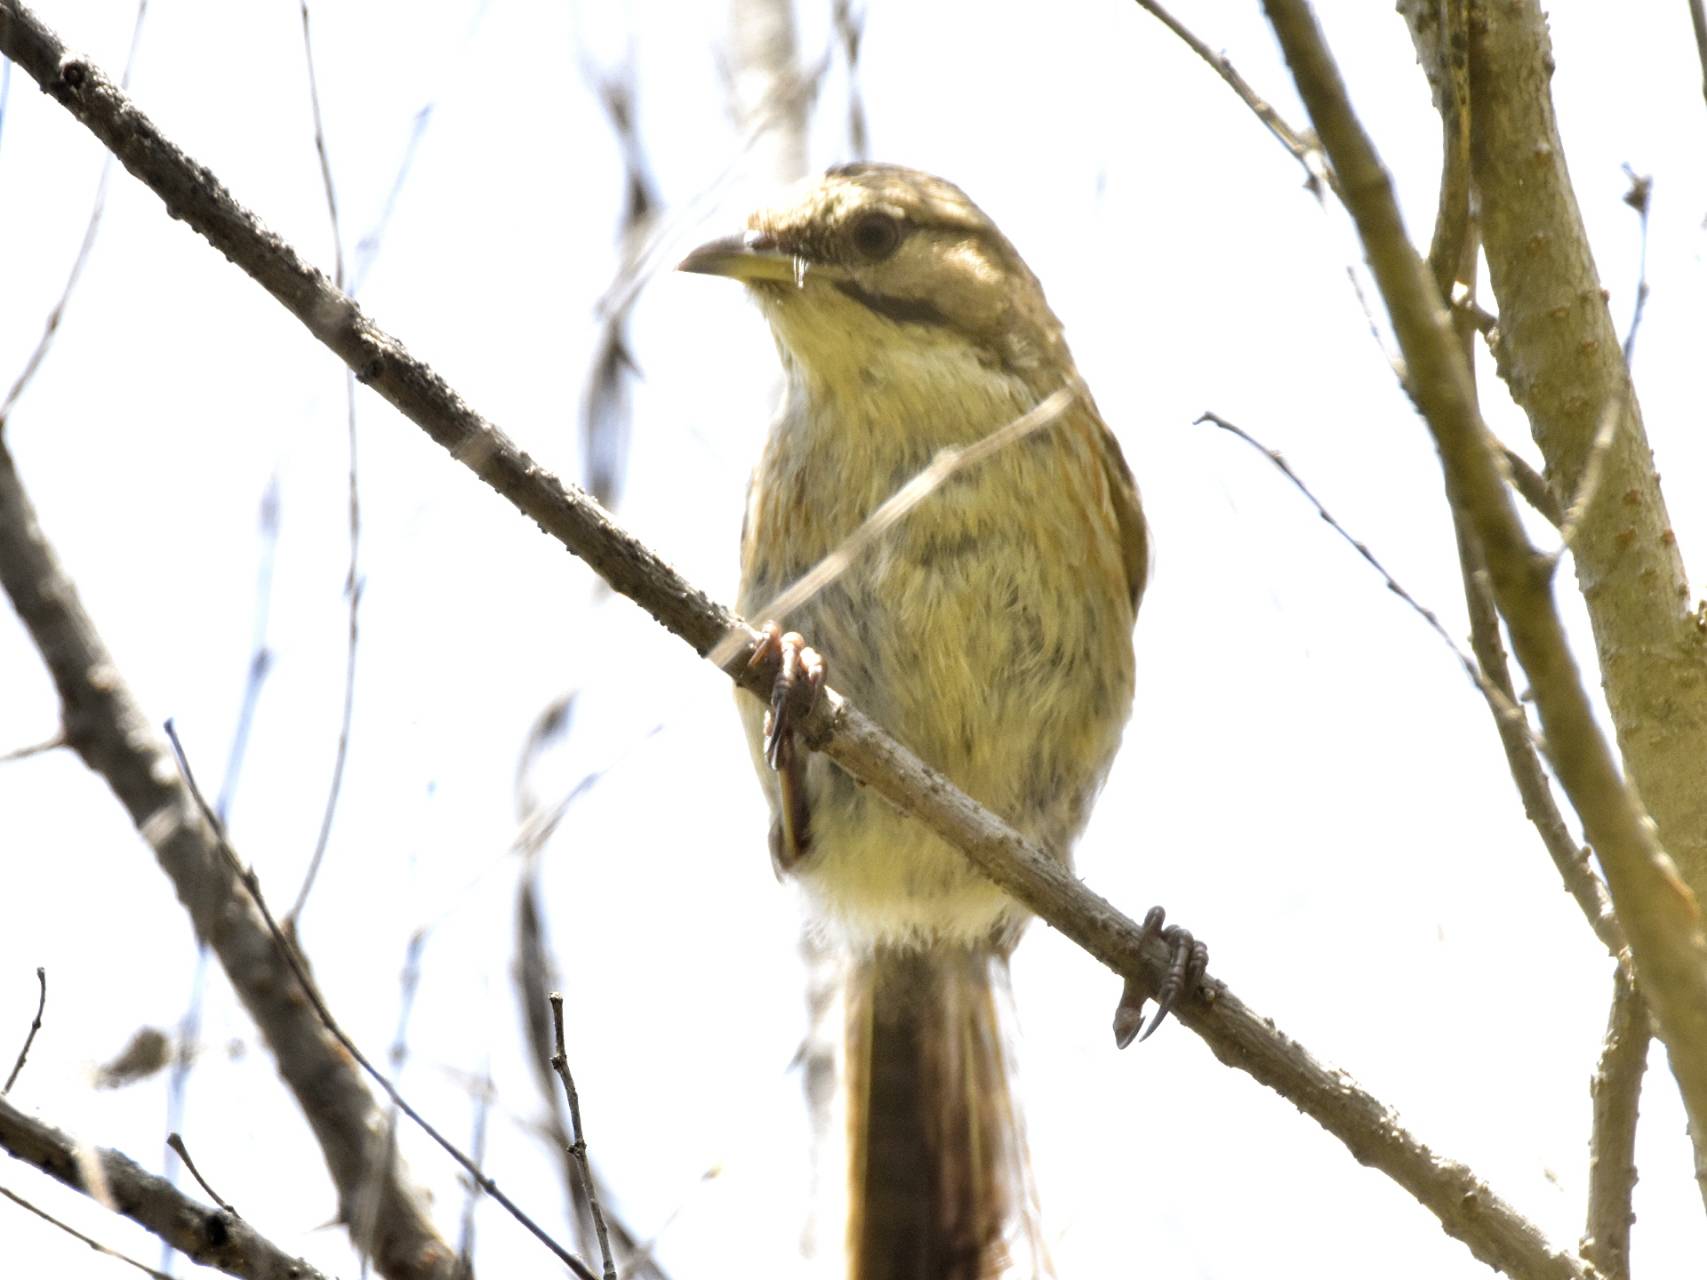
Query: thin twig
point(606, 408)
point(320, 150)
point(560, 1063)
point(183, 1060)
point(1639, 197)
point(368, 247)
point(211, 1237)
point(69, 1230)
point(1612, 413)
point(1617, 1091)
point(1502, 705)
point(252, 883)
point(1240, 1037)
point(352, 582)
point(366, 1223)
point(942, 468)
point(260, 655)
point(1570, 859)
point(1588, 484)
point(176, 1142)
point(353, 588)
point(1453, 237)
point(1304, 151)
point(1452, 262)
point(35, 1026)
point(482, 1109)
point(535, 976)
point(781, 102)
point(1532, 485)
point(35, 749)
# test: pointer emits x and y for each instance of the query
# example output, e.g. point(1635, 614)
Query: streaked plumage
point(990, 631)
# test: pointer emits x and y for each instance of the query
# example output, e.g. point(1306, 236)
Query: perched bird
point(989, 631)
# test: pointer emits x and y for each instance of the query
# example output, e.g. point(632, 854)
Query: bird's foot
point(1185, 971)
point(799, 681)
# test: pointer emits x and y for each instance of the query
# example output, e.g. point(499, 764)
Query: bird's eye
point(876, 236)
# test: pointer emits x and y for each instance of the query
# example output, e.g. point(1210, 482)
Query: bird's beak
point(747, 255)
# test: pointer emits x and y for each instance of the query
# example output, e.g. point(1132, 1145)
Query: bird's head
point(872, 259)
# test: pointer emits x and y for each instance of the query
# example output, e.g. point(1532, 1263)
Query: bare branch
point(1503, 704)
point(1616, 1088)
point(50, 327)
point(109, 731)
point(34, 749)
point(1659, 913)
point(320, 151)
point(352, 583)
point(176, 1142)
point(1237, 1035)
point(211, 1237)
point(1570, 858)
point(560, 1064)
point(1488, 671)
point(535, 975)
point(35, 1026)
point(1532, 485)
point(1303, 150)
point(1639, 197)
point(1452, 250)
point(1559, 352)
point(353, 600)
point(372, 1209)
point(260, 655)
point(1588, 484)
point(96, 1245)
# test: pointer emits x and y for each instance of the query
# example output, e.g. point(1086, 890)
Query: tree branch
point(109, 730)
point(1303, 150)
point(1467, 1208)
point(1559, 352)
point(35, 1026)
point(1658, 911)
point(210, 1237)
point(1617, 1089)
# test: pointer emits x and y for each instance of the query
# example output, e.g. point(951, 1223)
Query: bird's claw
point(799, 681)
point(1189, 962)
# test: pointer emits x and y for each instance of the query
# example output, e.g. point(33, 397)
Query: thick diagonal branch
point(211, 1237)
point(108, 729)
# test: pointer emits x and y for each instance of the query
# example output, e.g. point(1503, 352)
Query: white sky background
point(1309, 781)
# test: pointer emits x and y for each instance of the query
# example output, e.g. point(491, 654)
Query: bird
point(989, 630)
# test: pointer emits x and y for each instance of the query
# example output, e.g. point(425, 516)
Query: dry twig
point(69, 1230)
point(560, 1064)
point(1617, 1089)
point(35, 1026)
point(211, 1237)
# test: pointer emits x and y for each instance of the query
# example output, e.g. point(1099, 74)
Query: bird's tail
point(939, 1187)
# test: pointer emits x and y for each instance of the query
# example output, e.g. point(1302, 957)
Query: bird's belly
point(990, 633)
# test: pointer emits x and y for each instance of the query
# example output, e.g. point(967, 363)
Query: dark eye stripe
point(900, 310)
